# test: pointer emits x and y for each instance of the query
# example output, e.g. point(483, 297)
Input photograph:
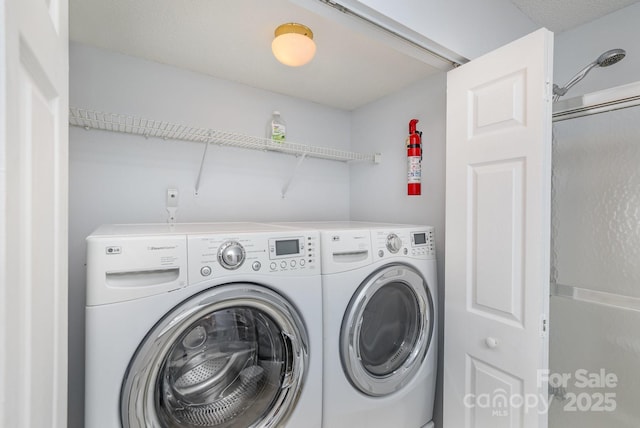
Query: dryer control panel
point(286, 253)
point(416, 242)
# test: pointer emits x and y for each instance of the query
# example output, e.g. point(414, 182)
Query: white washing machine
point(203, 325)
point(379, 299)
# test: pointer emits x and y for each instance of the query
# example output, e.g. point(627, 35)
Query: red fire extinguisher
point(414, 161)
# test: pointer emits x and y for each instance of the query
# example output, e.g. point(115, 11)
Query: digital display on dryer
point(419, 238)
point(287, 247)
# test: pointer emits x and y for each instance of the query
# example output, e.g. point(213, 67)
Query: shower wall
point(596, 235)
point(595, 326)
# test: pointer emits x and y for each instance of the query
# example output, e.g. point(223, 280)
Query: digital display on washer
point(419, 238)
point(287, 247)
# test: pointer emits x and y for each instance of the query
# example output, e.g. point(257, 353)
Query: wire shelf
point(149, 128)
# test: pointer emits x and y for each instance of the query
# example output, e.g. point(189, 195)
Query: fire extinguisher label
point(414, 172)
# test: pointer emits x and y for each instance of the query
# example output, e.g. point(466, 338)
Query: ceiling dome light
point(293, 45)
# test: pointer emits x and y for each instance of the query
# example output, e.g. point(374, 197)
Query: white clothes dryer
point(203, 325)
point(379, 315)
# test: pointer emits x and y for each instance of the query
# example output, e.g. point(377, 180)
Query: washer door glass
point(232, 356)
point(386, 330)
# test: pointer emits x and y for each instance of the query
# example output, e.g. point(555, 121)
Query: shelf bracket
point(285, 188)
point(204, 155)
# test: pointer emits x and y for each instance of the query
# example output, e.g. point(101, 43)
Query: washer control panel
point(287, 253)
point(416, 242)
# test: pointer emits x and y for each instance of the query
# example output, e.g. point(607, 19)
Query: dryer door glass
point(230, 357)
point(386, 330)
point(389, 330)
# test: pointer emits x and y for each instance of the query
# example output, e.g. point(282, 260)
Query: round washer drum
point(234, 355)
point(386, 330)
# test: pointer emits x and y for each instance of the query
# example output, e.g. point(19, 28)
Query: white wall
point(469, 28)
point(379, 192)
point(596, 227)
point(119, 178)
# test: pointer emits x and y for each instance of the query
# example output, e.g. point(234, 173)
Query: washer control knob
point(231, 255)
point(394, 243)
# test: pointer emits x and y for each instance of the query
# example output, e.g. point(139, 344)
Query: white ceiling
point(231, 39)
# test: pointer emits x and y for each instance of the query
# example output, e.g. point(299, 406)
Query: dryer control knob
point(394, 243)
point(231, 255)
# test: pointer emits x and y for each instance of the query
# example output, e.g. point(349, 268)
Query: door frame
point(34, 93)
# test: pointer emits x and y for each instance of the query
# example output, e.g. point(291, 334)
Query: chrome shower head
point(611, 57)
point(608, 58)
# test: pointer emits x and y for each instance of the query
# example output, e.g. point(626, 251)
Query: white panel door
point(33, 212)
point(497, 237)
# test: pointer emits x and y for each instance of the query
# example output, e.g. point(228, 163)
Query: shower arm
point(558, 92)
point(608, 58)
